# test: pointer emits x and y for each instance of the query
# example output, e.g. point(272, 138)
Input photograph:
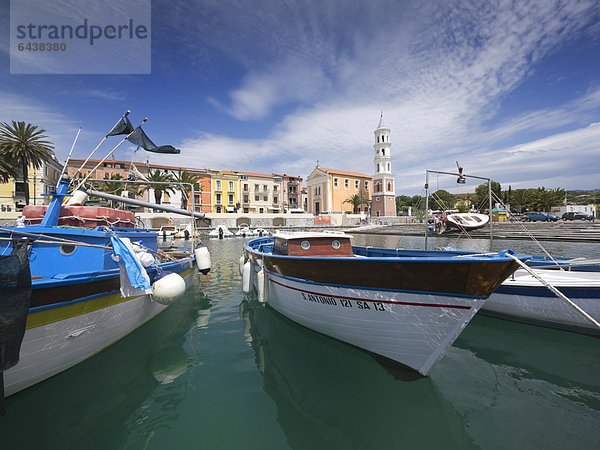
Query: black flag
point(139, 138)
point(122, 127)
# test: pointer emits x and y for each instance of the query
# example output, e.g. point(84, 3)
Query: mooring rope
point(554, 290)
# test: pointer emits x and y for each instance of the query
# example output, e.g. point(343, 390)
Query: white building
point(383, 200)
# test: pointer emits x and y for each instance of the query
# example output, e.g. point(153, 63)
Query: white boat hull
point(525, 299)
point(52, 348)
point(410, 328)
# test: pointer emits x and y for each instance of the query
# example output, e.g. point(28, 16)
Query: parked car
point(573, 215)
point(538, 216)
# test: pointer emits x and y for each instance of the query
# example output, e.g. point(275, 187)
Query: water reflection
point(84, 406)
point(329, 395)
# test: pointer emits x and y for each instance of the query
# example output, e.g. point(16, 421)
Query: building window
point(346, 183)
point(366, 186)
point(266, 198)
point(231, 185)
point(218, 199)
point(383, 151)
point(389, 186)
point(388, 167)
point(274, 188)
point(246, 210)
point(356, 184)
point(256, 187)
point(218, 185)
point(245, 199)
point(261, 210)
point(336, 182)
point(231, 199)
point(246, 187)
point(378, 168)
point(256, 198)
point(274, 199)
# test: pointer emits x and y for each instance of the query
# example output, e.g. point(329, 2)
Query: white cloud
point(440, 71)
point(60, 128)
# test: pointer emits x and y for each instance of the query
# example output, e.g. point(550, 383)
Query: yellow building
point(224, 189)
point(40, 181)
point(328, 190)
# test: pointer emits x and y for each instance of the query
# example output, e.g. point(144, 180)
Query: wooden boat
point(466, 221)
point(82, 299)
point(406, 309)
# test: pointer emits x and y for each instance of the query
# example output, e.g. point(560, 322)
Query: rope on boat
point(55, 239)
point(553, 289)
point(74, 243)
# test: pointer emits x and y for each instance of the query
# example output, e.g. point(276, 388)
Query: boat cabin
point(313, 244)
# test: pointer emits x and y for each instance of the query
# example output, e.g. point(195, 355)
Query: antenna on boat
point(68, 157)
point(461, 178)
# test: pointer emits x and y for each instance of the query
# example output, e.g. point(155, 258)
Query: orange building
point(331, 191)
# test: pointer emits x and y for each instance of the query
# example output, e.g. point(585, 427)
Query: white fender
point(78, 198)
point(261, 279)
point(241, 264)
point(168, 288)
point(203, 259)
point(247, 278)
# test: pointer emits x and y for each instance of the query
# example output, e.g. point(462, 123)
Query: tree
point(185, 189)
point(355, 200)
point(521, 199)
point(403, 202)
point(23, 145)
point(442, 199)
point(7, 170)
point(162, 177)
point(544, 199)
point(482, 194)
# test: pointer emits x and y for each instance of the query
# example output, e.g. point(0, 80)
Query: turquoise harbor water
point(219, 371)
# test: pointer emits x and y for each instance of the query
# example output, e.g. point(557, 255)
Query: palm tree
point(162, 177)
point(23, 145)
point(185, 189)
point(355, 200)
point(7, 170)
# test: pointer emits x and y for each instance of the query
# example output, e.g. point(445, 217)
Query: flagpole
point(68, 157)
point(98, 146)
point(106, 157)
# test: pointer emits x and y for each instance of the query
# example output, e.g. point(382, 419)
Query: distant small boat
point(406, 309)
point(244, 231)
point(466, 221)
point(168, 231)
point(220, 232)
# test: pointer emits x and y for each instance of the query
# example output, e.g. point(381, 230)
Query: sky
point(510, 90)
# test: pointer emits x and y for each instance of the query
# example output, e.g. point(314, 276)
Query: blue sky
point(511, 91)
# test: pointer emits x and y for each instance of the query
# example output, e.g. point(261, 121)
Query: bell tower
point(384, 191)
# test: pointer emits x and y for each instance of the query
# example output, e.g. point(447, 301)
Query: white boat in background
point(220, 232)
point(244, 231)
point(261, 232)
point(168, 231)
point(523, 298)
point(408, 310)
point(466, 221)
